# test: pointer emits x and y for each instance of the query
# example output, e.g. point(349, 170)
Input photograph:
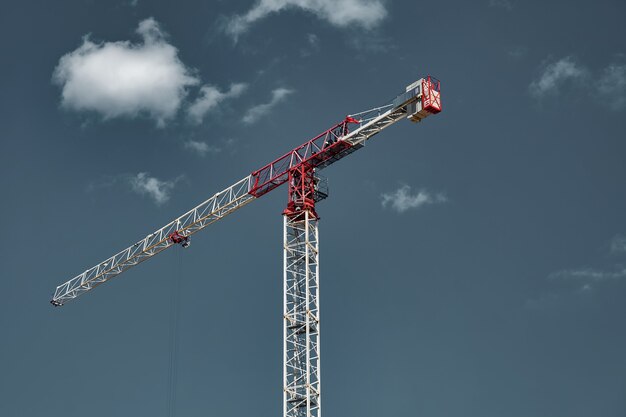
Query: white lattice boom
point(321, 151)
point(216, 207)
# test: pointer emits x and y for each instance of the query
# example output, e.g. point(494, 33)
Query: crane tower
point(299, 169)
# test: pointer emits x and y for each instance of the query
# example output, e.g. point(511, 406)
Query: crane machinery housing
point(299, 168)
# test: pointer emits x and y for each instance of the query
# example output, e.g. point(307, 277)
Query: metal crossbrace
point(301, 325)
point(216, 207)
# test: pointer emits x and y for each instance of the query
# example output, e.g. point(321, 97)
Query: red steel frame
point(432, 95)
point(302, 182)
point(313, 153)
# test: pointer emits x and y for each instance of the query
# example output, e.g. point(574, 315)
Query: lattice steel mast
point(301, 324)
point(301, 327)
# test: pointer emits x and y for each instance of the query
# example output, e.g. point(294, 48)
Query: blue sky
point(472, 265)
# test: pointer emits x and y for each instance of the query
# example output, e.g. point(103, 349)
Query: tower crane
point(299, 169)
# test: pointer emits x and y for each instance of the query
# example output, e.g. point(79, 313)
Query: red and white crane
point(298, 168)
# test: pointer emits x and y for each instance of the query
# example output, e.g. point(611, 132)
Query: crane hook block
point(176, 237)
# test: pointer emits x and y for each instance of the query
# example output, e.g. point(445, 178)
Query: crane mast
point(299, 168)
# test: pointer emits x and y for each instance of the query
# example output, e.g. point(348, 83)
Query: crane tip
point(55, 303)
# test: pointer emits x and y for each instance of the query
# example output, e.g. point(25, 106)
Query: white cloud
point(544, 300)
point(503, 4)
point(209, 98)
point(608, 88)
point(341, 13)
point(201, 148)
point(589, 274)
point(578, 281)
point(517, 52)
point(255, 113)
point(402, 200)
point(313, 40)
point(312, 45)
point(587, 278)
point(555, 75)
point(618, 244)
point(372, 42)
point(612, 86)
point(158, 190)
point(124, 79)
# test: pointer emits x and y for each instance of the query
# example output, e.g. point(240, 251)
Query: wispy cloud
point(502, 4)
point(555, 75)
point(618, 244)
point(544, 300)
point(209, 98)
point(313, 45)
point(372, 42)
point(587, 278)
point(341, 13)
point(159, 191)
point(517, 52)
point(313, 40)
point(568, 283)
point(201, 148)
point(588, 274)
point(608, 88)
point(125, 79)
point(255, 113)
point(402, 199)
point(612, 86)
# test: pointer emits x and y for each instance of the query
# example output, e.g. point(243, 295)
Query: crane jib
point(421, 98)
